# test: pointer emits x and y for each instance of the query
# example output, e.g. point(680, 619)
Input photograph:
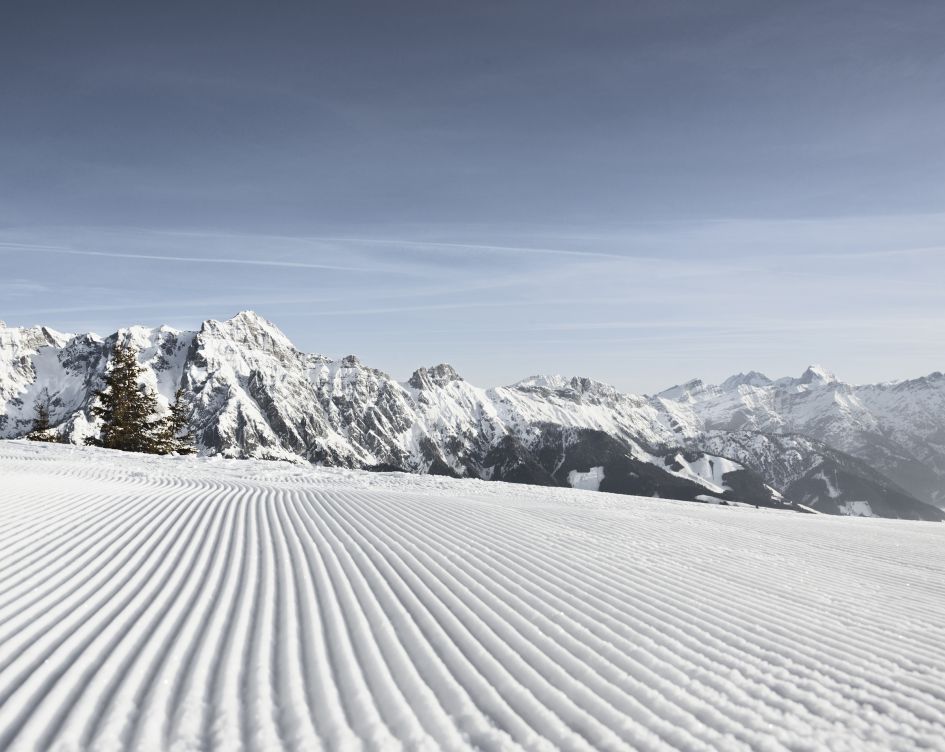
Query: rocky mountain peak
point(31, 338)
point(752, 378)
point(816, 374)
point(573, 388)
point(684, 392)
point(584, 385)
point(251, 318)
point(439, 376)
point(249, 328)
point(552, 381)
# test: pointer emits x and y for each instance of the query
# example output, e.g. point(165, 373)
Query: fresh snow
point(589, 481)
point(858, 509)
point(203, 603)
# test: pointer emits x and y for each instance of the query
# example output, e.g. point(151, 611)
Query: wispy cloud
point(21, 288)
point(721, 296)
point(503, 249)
point(196, 259)
point(332, 241)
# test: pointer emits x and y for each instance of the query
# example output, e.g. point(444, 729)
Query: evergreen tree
point(40, 431)
point(127, 408)
point(176, 435)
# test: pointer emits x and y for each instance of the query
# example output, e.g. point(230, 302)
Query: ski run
point(154, 603)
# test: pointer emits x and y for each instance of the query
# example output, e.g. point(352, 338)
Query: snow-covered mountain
point(812, 473)
point(897, 428)
point(254, 395)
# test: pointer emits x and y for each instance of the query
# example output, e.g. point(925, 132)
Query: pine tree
point(176, 434)
point(40, 431)
point(127, 408)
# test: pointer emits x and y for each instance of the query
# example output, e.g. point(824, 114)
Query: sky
point(638, 192)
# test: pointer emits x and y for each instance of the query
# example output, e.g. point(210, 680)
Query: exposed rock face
point(253, 394)
point(441, 375)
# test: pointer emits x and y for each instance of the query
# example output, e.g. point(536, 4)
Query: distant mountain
point(253, 394)
point(812, 473)
point(897, 428)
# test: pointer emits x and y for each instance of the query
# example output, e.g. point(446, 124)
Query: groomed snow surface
point(178, 603)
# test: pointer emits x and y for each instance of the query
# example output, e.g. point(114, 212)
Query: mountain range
point(811, 443)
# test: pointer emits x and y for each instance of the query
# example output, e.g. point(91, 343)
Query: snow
point(709, 499)
point(589, 481)
point(706, 470)
point(201, 603)
point(817, 374)
point(544, 381)
point(857, 509)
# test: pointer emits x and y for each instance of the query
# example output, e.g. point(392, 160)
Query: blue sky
point(637, 192)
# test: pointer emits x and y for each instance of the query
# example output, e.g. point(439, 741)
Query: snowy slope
point(185, 603)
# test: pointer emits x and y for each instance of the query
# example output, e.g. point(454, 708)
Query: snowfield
point(182, 604)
